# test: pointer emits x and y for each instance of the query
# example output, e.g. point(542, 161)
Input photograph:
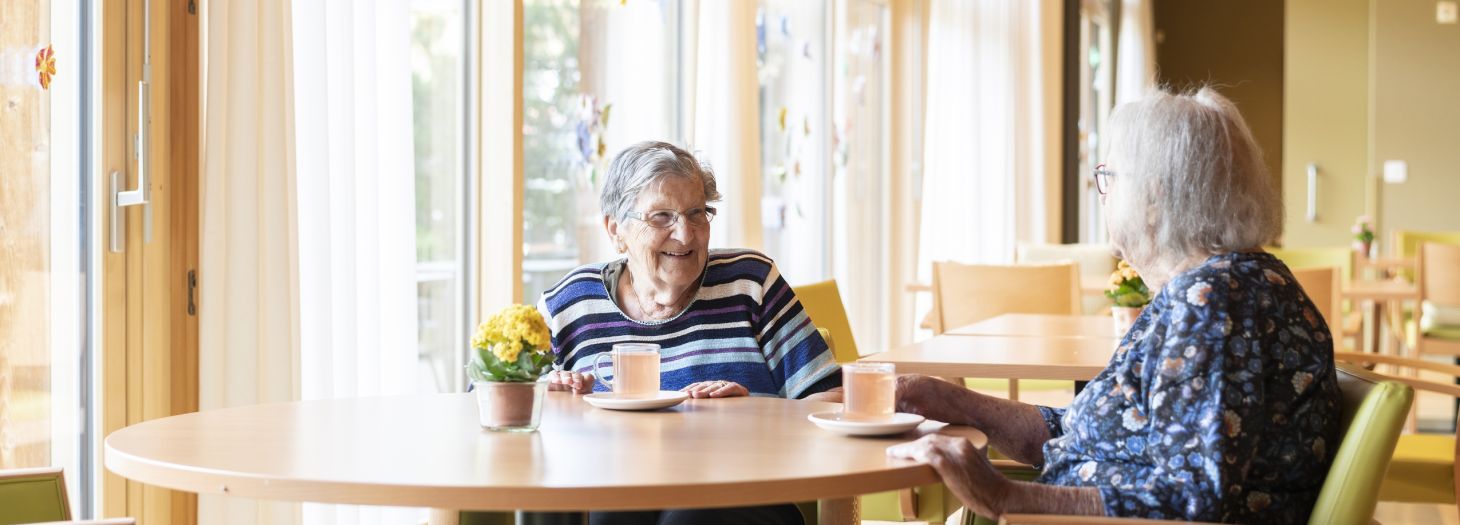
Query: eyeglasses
point(665, 219)
point(1102, 179)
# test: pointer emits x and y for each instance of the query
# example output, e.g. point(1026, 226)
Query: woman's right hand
point(932, 398)
point(569, 380)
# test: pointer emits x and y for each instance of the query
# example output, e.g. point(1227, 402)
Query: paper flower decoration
point(45, 66)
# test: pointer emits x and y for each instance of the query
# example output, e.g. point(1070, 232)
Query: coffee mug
point(635, 369)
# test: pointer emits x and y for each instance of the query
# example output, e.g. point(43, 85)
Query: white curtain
point(248, 276)
point(1135, 68)
point(983, 185)
point(309, 217)
point(727, 117)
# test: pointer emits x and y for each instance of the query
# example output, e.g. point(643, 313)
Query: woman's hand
point(569, 380)
point(715, 389)
point(932, 398)
point(965, 469)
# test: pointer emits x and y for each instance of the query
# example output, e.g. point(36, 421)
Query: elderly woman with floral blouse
point(1221, 403)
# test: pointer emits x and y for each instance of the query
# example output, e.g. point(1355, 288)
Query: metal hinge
point(192, 288)
point(192, 7)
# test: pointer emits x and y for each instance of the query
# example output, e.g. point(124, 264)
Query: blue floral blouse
point(1220, 404)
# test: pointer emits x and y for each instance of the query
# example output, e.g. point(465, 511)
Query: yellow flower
point(511, 330)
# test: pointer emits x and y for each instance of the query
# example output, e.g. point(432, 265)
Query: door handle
point(141, 142)
point(1312, 192)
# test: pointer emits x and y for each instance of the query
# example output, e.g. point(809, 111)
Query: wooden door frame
point(149, 336)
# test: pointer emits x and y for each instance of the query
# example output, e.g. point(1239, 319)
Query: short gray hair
point(1190, 179)
point(639, 165)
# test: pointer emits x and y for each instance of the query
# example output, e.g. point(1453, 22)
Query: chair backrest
point(1095, 260)
point(1321, 285)
point(1373, 413)
point(964, 294)
point(1340, 257)
point(823, 304)
point(33, 495)
point(1438, 266)
point(1405, 243)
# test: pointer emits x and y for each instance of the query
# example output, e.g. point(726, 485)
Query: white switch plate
point(1447, 12)
point(1396, 171)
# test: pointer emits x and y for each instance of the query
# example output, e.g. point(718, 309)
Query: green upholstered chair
point(823, 304)
point(33, 495)
point(1423, 467)
point(1373, 413)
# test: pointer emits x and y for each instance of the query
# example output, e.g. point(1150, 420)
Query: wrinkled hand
point(965, 470)
point(568, 380)
point(715, 389)
point(932, 398)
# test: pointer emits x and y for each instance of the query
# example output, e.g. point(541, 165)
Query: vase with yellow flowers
point(1130, 295)
point(511, 352)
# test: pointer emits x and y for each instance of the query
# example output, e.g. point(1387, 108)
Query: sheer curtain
point(727, 117)
point(309, 227)
point(248, 276)
point(1135, 68)
point(983, 186)
point(983, 155)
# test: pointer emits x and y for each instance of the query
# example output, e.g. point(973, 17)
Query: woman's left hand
point(715, 389)
point(965, 469)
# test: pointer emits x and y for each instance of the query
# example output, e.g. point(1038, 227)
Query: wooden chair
point(1423, 468)
point(964, 294)
point(1405, 243)
point(1348, 320)
point(1437, 268)
point(1374, 408)
point(1095, 260)
point(1322, 286)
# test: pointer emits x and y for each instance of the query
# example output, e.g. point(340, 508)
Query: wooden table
point(1003, 357)
point(1042, 325)
point(428, 451)
point(1386, 297)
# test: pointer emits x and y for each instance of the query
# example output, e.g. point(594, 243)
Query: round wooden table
point(428, 451)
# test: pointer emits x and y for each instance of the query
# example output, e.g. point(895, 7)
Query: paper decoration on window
point(592, 121)
point(45, 66)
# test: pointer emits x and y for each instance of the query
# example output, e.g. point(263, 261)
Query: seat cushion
point(1437, 319)
point(1422, 471)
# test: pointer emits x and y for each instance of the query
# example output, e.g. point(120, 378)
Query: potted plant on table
point(1363, 230)
point(1130, 295)
point(511, 352)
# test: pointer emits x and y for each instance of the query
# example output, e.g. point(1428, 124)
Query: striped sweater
point(744, 325)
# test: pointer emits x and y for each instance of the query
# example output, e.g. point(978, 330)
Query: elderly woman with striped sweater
point(726, 322)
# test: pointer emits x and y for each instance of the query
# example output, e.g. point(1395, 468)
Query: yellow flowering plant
point(512, 346)
point(1126, 287)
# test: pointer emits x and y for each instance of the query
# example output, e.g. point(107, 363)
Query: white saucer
point(663, 399)
point(897, 424)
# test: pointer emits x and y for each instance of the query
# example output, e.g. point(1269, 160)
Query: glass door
point(45, 240)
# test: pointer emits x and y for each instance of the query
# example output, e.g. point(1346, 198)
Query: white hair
point(639, 165)
point(1188, 180)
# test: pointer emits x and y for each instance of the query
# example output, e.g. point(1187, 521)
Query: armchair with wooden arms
point(1373, 413)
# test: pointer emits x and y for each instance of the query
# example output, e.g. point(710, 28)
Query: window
point(438, 90)
point(597, 76)
point(46, 409)
point(795, 133)
point(1096, 100)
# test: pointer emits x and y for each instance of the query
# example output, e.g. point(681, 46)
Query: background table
point(1003, 357)
point(1043, 325)
point(428, 451)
